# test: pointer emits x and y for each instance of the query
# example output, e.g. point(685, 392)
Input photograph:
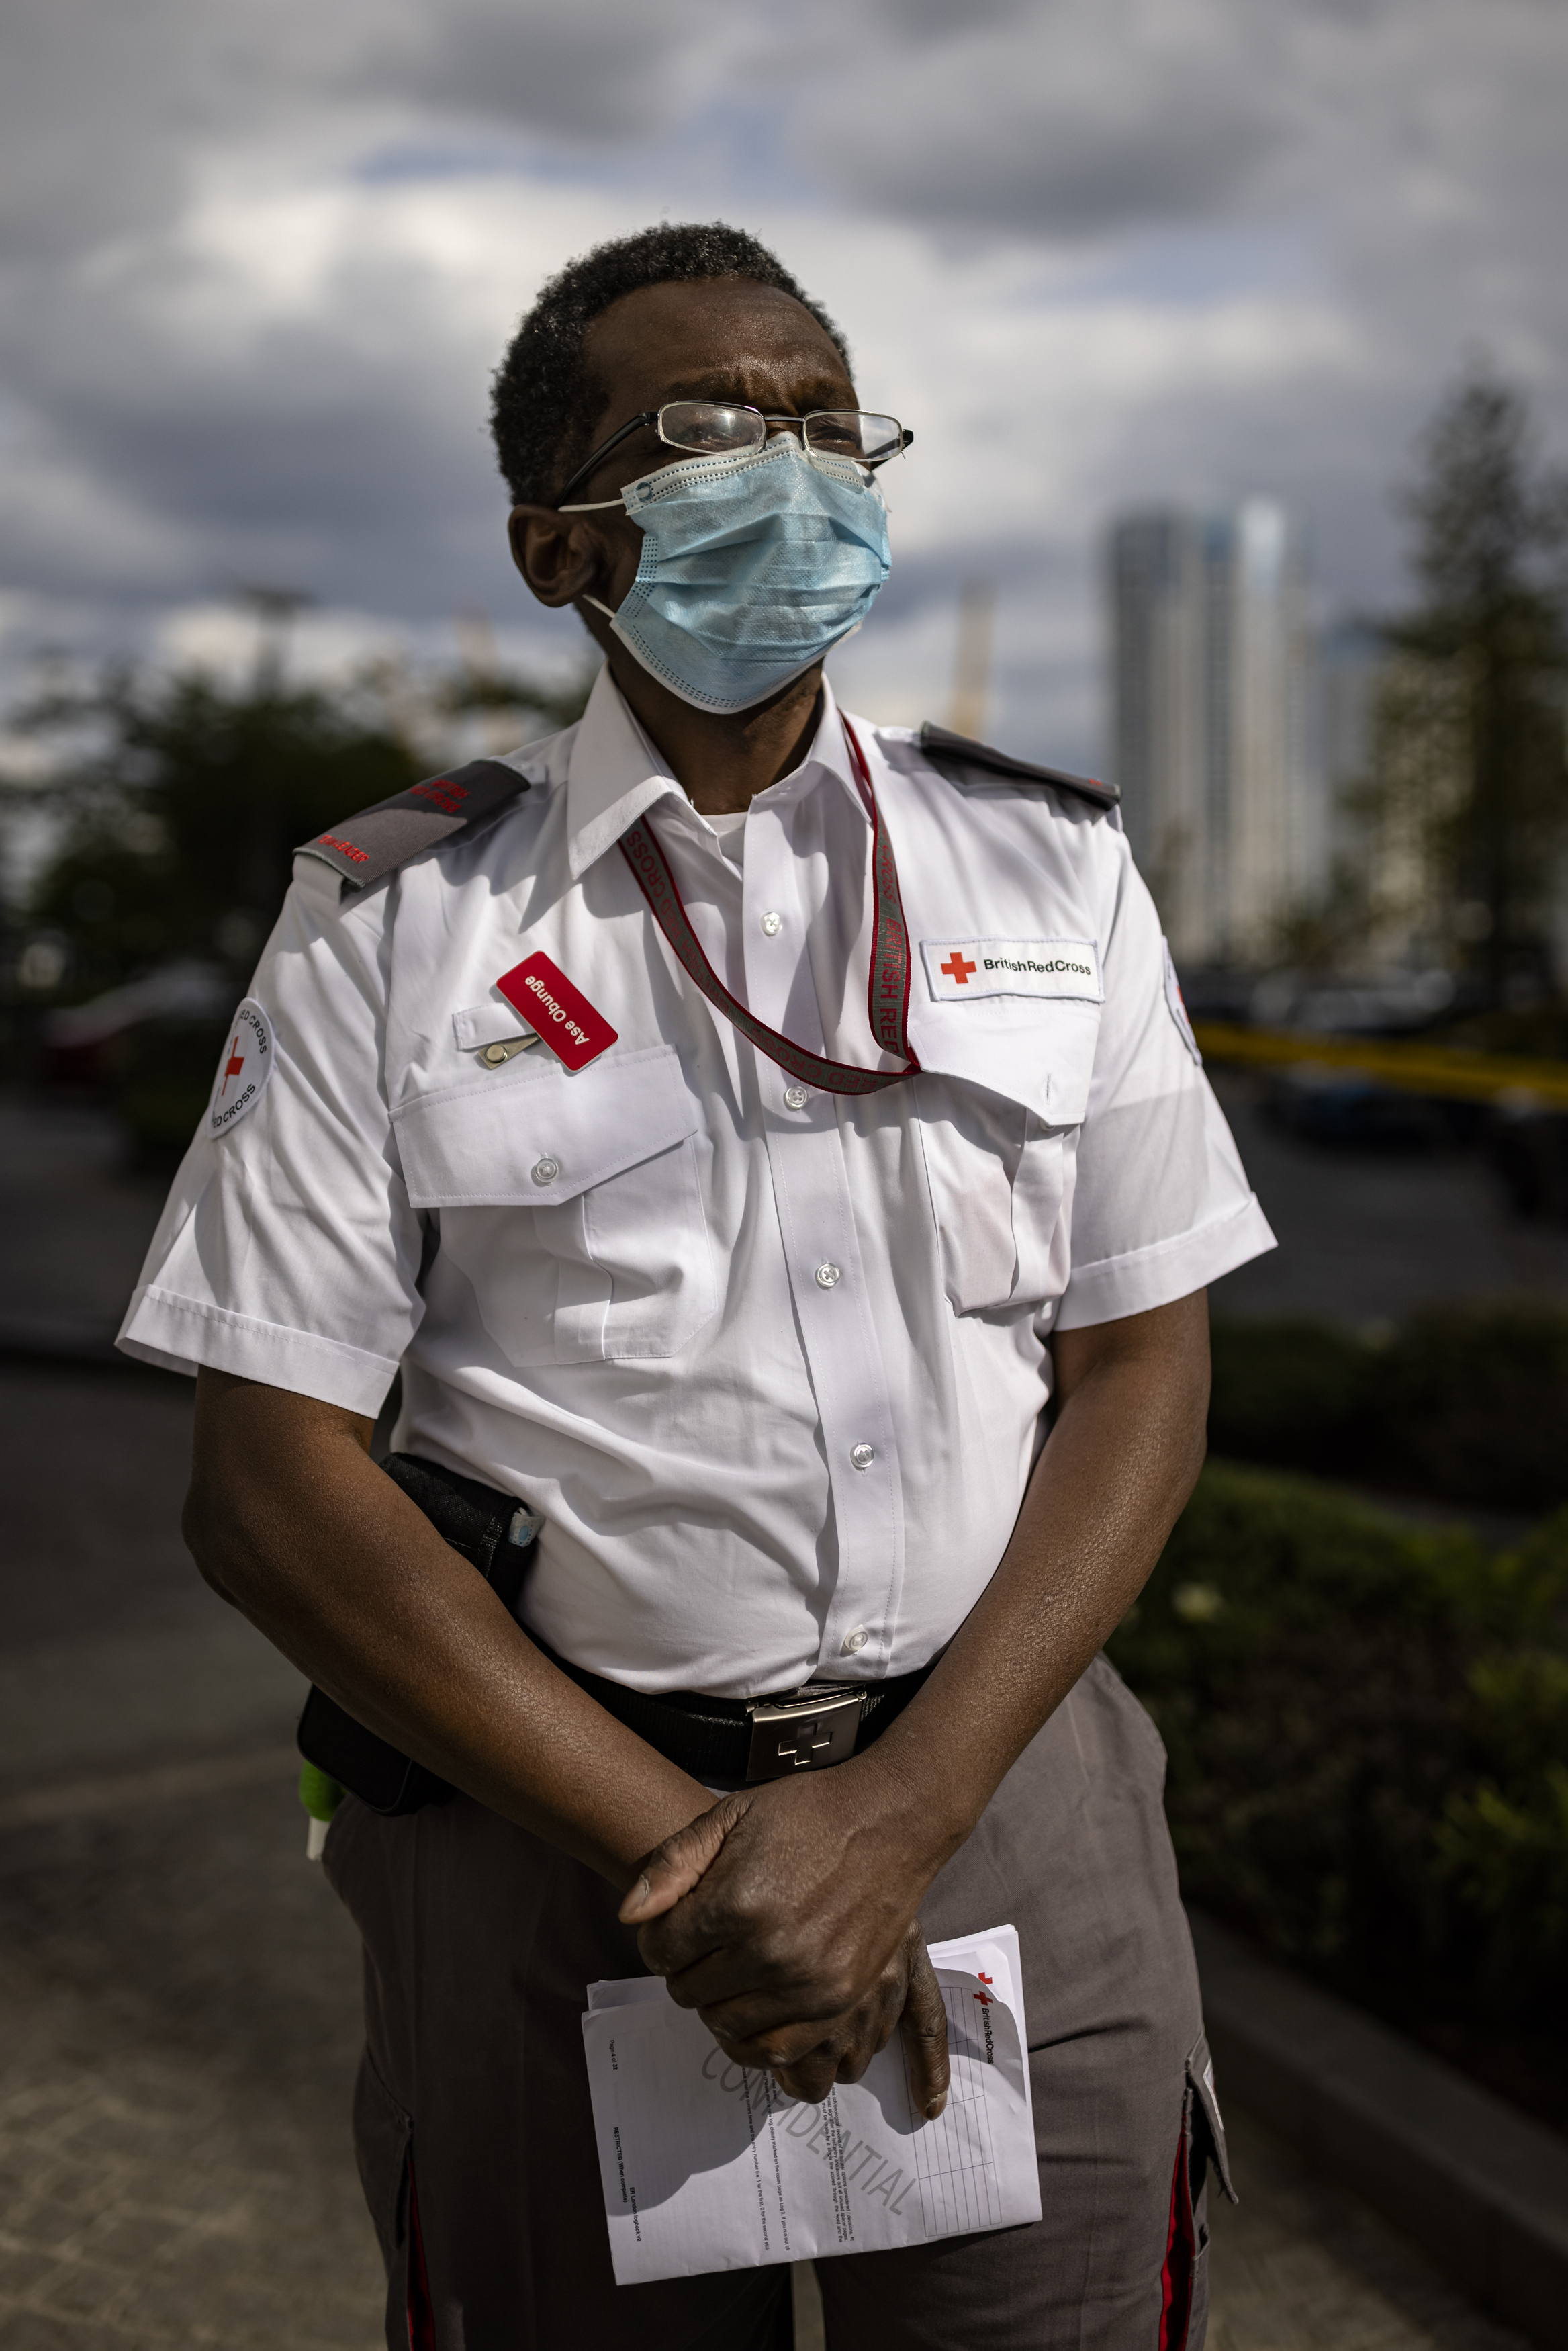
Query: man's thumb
point(674, 1867)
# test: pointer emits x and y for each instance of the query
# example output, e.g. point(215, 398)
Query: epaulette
point(944, 749)
point(368, 845)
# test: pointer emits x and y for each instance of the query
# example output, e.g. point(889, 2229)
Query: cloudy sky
point(261, 261)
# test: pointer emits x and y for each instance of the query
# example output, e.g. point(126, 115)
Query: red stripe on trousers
point(1180, 2250)
point(421, 2315)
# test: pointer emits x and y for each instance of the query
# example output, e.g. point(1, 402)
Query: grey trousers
point(474, 2133)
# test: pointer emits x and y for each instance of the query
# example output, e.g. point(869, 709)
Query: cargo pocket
point(1184, 2280)
point(383, 2135)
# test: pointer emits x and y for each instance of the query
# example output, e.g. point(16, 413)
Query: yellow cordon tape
point(1417, 1069)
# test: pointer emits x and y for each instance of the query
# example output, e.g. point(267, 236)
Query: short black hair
point(542, 406)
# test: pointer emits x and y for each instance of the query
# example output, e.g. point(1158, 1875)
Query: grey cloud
point(107, 113)
point(1066, 119)
point(157, 446)
point(600, 70)
point(1062, 120)
point(180, 468)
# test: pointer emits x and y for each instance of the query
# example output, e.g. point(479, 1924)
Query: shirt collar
point(615, 774)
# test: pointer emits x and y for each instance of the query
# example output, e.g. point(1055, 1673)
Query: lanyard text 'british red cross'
point(888, 995)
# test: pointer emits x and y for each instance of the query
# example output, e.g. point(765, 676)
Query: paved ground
point(180, 1988)
point(179, 1984)
point(1298, 2267)
point(75, 1221)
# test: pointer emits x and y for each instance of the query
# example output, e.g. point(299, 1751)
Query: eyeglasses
point(713, 428)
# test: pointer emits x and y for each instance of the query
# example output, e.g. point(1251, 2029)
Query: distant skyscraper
point(1211, 682)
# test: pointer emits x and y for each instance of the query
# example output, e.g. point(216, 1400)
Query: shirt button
point(547, 1170)
point(796, 1097)
point(771, 925)
point(827, 1275)
point(854, 1642)
point(863, 1456)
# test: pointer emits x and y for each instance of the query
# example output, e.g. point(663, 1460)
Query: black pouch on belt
point(495, 1533)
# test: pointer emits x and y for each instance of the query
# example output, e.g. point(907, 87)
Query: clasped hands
point(785, 1915)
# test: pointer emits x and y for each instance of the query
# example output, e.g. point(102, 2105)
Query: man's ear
point(560, 556)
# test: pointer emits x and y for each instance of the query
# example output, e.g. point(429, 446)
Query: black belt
point(753, 1738)
point(712, 1738)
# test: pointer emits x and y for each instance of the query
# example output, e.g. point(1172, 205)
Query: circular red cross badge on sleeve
point(244, 1066)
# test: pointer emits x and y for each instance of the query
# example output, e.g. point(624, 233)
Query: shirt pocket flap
point(1044, 1061)
point(491, 1023)
point(533, 1135)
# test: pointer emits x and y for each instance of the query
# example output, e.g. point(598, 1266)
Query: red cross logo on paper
point(984, 1997)
point(232, 1068)
point(958, 968)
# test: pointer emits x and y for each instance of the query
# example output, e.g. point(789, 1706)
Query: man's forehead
point(693, 336)
point(720, 382)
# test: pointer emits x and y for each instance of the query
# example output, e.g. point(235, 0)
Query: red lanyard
point(888, 996)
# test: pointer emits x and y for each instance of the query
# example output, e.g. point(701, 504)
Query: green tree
point(180, 803)
point(1468, 754)
point(181, 800)
point(177, 804)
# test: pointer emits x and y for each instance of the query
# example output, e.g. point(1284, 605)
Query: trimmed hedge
point(1468, 1403)
point(1367, 1728)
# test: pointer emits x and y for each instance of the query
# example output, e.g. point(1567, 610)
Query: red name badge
point(564, 1018)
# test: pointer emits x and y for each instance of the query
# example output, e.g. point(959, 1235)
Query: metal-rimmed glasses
point(721, 428)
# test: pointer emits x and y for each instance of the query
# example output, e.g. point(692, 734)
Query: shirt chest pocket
point(572, 1204)
point(999, 1166)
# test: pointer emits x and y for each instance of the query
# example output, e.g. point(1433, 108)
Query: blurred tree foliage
point(1468, 788)
point(1468, 1403)
point(178, 803)
point(182, 800)
point(1367, 1728)
point(182, 803)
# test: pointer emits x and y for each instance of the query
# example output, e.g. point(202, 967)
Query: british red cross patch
point(962, 971)
point(245, 1065)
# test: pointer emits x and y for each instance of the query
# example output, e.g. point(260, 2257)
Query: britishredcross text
point(957, 971)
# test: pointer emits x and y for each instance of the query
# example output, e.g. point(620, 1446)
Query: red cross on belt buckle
point(815, 1728)
point(958, 968)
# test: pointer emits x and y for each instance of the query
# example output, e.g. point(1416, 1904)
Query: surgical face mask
point(753, 565)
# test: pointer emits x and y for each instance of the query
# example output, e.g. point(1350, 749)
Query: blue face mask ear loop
point(595, 505)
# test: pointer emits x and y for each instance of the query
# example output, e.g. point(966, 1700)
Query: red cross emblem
point(958, 968)
point(236, 1062)
point(985, 1978)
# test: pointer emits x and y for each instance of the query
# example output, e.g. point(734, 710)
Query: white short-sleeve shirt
point(771, 1362)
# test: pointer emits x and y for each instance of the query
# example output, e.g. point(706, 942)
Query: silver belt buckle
point(817, 1727)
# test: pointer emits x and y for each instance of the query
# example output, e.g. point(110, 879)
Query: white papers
point(709, 2165)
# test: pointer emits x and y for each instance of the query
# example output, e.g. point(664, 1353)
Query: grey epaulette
point(945, 749)
point(368, 845)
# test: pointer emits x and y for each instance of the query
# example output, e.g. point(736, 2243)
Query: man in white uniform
point(773, 1150)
